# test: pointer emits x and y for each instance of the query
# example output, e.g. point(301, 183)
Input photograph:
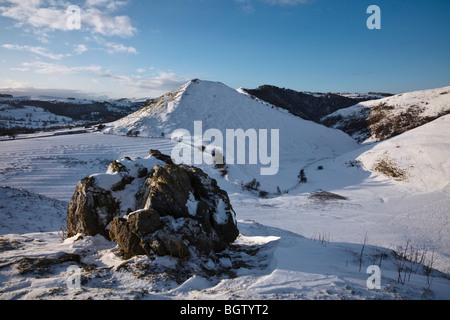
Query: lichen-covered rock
point(152, 206)
point(129, 242)
point(91, 209)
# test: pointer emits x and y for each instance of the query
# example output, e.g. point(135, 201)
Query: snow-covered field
point(291, 246)
point(52, 166)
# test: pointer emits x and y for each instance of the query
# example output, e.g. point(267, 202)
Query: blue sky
point(131, 48)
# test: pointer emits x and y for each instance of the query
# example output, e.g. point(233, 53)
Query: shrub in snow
point(132, 133)
point(324, 195)
point(389, 168)
point(252, 185)
point(263, 194)
point(302, 176)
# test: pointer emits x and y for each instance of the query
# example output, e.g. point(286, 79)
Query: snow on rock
point(135, 201)
point(192, 205)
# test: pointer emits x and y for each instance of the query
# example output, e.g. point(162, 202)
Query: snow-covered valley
point(361, 205)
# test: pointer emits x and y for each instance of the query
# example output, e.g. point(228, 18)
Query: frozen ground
point(292, 246)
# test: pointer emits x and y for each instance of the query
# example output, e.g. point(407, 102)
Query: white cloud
point(154, 86)
point(248, 6)
point(286, 2)
point(96, 16)
point(36, 50)
point(18, 88)
point(108, 4)
point(159, 84)
point(107, 25)
point(165, 81)
point(14, 84)
point(80, 49)
point(53, 68)
point(113, 85)
point(119, 48)
point(112, 47)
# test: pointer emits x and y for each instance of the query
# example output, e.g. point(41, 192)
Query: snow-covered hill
point(419, 157)
point(220, 107)
point(20, 115)
point(384, 118)
point(30, 117)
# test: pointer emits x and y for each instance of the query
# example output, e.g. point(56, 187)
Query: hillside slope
point(381, 119)
point(308, 106)
point(220, 107)
point(419, 157)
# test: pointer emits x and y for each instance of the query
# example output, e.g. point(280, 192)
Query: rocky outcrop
point(91, 209)
point(152, 206)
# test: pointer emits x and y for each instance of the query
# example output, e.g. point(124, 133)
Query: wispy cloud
point(106, 4)
point(119, 48)
point(286, 2)
point(153, 86)
point(36, 50)
point(55, 68)
point(249, 7)
point(80, 49)
point(17, 88)
point(246, 5)
point(107, 25)
point(111, 47)
point(157, 85)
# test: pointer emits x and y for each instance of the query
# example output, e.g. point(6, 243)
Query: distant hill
point(385, 118)
point(307, 105)
point(26, 115)
point(79, 109)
